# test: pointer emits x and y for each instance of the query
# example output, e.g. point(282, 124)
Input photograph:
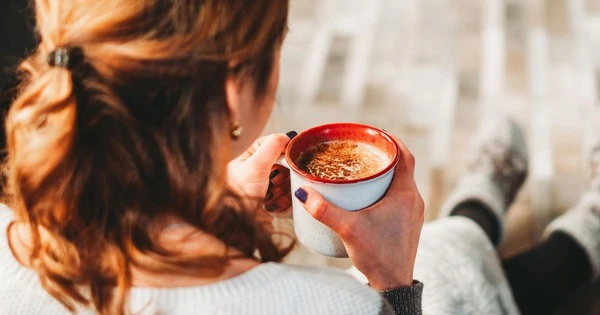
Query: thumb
point(269, 150)
point(322, 210)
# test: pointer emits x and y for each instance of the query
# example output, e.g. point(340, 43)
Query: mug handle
point(283, 162)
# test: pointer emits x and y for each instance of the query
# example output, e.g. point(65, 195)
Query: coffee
point(342, 160)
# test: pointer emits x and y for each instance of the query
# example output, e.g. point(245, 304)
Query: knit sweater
point(461, 270)
point(270, 288)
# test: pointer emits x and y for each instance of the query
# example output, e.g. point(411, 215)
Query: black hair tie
point(65, 57)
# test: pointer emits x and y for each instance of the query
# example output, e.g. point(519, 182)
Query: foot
point(496, 170)
point(500, 154)
point(582, 222)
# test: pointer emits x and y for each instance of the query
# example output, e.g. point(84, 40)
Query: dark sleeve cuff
point(405, 300)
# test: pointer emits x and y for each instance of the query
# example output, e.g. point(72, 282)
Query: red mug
point(353, 193)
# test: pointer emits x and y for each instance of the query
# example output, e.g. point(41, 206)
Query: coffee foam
point(342, 160)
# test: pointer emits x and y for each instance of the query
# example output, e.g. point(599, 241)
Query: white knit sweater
point(455, 260)
point(267, 289)
point(461, 271)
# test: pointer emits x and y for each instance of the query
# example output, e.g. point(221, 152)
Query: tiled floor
point(435, 67)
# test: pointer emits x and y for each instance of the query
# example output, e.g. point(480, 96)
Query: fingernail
point(291, 134)
point(269, 196)
point(273, 174)
point(271, 207)
point(270, 185)
point(301, 194)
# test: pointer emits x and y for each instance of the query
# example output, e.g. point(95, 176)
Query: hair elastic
point(65, 57)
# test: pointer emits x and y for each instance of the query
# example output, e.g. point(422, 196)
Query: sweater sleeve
point(403, 300)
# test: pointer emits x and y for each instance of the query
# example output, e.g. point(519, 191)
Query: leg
point(540, 278)
point(546, 275)
point(568, 258)
point(496, 171)
point(482, 215)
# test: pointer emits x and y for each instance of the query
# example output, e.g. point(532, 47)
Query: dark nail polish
point(271, 207)
point(291, 134)
point(270, 185)
point(301, 194)
point(273, 174)
point(269, 196)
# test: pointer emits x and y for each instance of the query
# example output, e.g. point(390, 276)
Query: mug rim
point(297, 138)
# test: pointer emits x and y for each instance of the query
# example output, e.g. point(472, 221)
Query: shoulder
point(11, 271)
point(311, 275)
point(20, 290)
point(320, 274)
point(332, 290)
point(6, 217)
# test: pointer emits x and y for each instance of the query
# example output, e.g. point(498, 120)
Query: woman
point(124, 192)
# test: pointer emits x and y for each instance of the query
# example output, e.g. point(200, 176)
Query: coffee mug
point(349, 194)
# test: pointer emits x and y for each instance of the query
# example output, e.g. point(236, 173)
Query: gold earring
point(236, 130)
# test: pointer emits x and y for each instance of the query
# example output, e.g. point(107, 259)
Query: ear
point(233, 95)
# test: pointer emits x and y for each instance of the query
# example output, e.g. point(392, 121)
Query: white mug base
point(352, 197)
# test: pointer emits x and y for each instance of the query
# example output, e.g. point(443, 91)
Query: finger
point(283, 202)
point(282, 213)
point(271, 206)
point(322, 210)
point(281, 184)
point(277, 191)
point(269, 150)
point(406, 158)
point(252, 149)
point(280, 175)
point(405, 169)
point(278, 204)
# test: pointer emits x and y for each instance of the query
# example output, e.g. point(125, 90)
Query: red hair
point(136, 132)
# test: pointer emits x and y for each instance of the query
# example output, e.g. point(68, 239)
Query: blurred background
point(427, 70)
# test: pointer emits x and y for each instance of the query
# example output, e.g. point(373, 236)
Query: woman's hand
point(382, 239)
point(255, 174)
